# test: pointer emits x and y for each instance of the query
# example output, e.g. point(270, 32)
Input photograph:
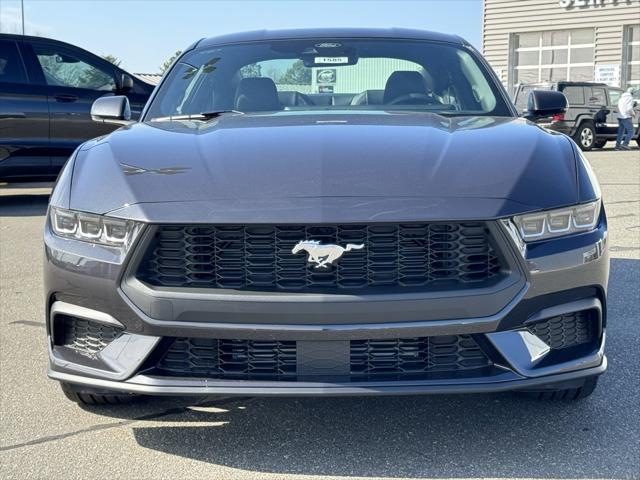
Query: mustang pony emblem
point(323, 255)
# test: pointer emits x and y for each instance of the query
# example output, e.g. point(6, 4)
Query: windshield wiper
point(196, 116)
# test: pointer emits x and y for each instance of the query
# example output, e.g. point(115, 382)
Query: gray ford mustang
point(327, 212)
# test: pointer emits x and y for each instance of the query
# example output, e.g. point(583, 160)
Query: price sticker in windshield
point(331, 60)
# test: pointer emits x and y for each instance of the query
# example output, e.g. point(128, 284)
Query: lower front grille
point(568, 330)
point(231, 359)
point(85, 337)
point(277, 360)
point(450, 353)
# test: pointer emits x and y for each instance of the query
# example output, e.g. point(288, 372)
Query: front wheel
point(585, 137)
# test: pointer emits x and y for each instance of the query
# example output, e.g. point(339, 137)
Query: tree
point(251, 70)
point(113, 59)
point(297, 74)
point(167, 63)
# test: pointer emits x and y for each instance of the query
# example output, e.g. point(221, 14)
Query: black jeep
point(591, 119)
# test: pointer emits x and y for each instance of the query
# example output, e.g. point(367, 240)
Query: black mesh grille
point(239, 359)
point(260, 257)
point(85, 337)
point(277, 360)
point(567, 330)
point(450, 353)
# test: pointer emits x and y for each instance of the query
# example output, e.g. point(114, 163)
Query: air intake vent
point(232, 359)
point(567, 330)
point(446, 356)
point(450, 353)
point(85, 337)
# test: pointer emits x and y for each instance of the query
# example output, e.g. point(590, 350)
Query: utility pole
point(22, 11)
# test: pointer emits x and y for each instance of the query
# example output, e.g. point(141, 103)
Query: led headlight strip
point(92, 228)
point(558, 222)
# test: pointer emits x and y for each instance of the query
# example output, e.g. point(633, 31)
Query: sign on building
point(592, 3)
point(609, 74)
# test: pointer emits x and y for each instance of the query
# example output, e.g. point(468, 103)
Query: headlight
point(87, 227)
point(556, 223)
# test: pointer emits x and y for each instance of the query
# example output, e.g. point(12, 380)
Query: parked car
point(47, 88)
point(238, 240)
point(591, 119)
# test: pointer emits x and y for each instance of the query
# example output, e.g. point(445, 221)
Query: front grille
point(85, 337)
point(231, 359)
point(567, 330)
point(277, 360)
point(425, 255)
point(450, 353)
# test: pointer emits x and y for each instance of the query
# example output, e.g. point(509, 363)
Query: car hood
point(304, 167)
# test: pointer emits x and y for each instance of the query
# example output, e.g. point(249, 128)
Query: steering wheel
point(412, 99)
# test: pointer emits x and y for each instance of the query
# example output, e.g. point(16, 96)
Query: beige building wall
point(503, 18)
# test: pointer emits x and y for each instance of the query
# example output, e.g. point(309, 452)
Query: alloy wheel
point(586, 137)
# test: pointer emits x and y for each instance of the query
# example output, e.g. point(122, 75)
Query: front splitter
point(149, 385)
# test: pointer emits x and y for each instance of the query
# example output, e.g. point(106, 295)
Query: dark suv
point(591, 119)
point(46, 91)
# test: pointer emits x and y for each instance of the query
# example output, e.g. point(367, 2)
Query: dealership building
point(528, 41)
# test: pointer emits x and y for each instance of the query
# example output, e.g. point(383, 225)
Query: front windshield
point(323, 75)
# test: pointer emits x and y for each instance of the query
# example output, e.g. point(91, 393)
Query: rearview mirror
point(114, 109)
point(126, 83)
point(545, 103)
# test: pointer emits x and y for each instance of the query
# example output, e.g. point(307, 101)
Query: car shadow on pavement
point(31, 205)
point(499, 435)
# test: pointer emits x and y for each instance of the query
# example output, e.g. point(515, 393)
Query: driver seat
point(257, 94)
point(402, 83)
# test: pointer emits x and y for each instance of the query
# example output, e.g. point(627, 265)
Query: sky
point(144, 33)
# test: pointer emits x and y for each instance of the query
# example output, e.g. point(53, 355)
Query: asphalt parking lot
point(42, 435)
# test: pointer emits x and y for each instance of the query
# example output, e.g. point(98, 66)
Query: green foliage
point(113, 59)
point(251, 70)
point(297, 74)
point(168, 62)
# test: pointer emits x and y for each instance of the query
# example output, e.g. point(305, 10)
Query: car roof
point(31, 38)
point(330, 33)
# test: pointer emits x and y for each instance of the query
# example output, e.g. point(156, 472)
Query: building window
point(553, 56)
point(632, 55)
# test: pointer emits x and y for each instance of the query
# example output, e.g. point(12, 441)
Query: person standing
point(625, 120)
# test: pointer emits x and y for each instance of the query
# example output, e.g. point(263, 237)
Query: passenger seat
point(257, 94)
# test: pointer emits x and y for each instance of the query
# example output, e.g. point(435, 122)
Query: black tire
point(585, 136)
point(567, 394)
point(599, 143)
point(84, 396)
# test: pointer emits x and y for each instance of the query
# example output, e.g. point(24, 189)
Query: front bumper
point(550, 279)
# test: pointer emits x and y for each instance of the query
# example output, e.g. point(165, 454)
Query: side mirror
point(113, 109)
point(126, 83)
point(545, 103)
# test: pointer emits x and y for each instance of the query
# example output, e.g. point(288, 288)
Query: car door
point(598, 103)
point(74, 80)
point(612, 118)
point(24, 118)
point(577, 105)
